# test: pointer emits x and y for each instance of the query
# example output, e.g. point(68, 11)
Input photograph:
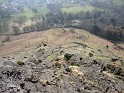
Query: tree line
point(106, 24)
point(101, 23)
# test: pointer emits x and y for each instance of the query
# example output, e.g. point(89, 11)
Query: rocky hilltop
point(61, 60)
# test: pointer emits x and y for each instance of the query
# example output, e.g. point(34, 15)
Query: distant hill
point(115, 2)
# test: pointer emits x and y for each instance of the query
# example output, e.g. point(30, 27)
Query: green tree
point(95, 30)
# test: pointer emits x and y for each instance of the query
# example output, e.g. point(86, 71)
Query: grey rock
point(8, 64)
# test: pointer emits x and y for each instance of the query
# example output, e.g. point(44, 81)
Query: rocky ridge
point(66, 66)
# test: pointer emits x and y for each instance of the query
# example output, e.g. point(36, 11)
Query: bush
point(68, 56)
point(21, 63)
point(90, 54)
point(58, 65)
point(114, 59)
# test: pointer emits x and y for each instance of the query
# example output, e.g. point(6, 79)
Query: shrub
point(114, 59)
point(90, 54)
point(21, 63)
point(68, 56)
point(57, 64)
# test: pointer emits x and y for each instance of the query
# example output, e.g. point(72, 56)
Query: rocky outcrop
point(115, 70)
point(78, 74)
point(70, 68)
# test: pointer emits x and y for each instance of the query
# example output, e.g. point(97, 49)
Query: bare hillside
point(61, 60)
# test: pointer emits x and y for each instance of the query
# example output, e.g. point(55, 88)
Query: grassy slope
point(43, 10)
point(119, 2)
point(57, 37)
point(70, 42)
point(28, 12)
point(77, 9)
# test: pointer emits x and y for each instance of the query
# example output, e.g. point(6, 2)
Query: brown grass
point(55, 37)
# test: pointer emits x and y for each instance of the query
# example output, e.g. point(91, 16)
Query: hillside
point(61, 60)
point(54, 35)
point(61, 46)
point(115, 2)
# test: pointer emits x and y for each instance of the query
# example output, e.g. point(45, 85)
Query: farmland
point(77, 9)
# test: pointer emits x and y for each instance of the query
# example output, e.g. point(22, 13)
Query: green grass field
point(77, 9)
point(28, 13)
point(119, 2)
point(43, 10)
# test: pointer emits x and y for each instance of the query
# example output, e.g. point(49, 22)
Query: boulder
point(113, 59)
point(8, 64)
point(68, 56)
